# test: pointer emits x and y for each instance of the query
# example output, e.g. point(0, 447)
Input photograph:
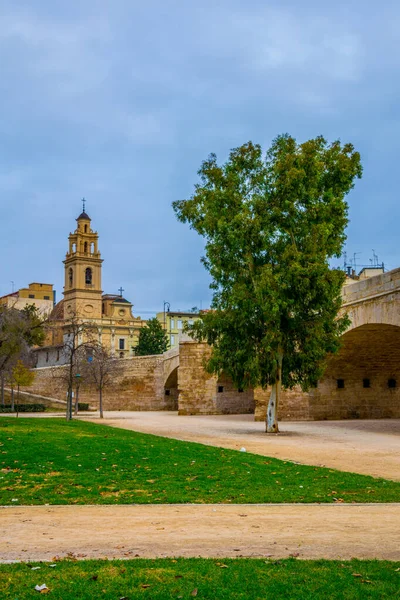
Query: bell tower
point(82, 265)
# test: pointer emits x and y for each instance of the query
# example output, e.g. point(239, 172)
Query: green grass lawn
point(206, 579)
point(50, 461)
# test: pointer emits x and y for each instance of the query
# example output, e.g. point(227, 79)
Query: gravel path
point(270, 531)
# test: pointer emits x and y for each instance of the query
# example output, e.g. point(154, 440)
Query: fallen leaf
point(194, 592)
point(356, 574)
point(146, 585)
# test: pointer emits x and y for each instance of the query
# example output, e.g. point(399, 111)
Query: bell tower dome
point(82, 267)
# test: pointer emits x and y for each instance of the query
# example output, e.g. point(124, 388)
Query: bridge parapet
point(373, 287)
point(375, 300)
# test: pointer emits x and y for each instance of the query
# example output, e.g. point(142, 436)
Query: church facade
point(109, 316)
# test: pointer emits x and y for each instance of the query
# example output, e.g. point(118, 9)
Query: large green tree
point(271, 223)
point(152, 339)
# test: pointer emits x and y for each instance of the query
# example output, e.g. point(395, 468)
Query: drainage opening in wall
point(340, 383)
point(167, 392)
point(366, 383)
point(220, 389)
point(391, 383)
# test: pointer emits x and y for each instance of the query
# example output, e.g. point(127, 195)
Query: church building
point(109, 315)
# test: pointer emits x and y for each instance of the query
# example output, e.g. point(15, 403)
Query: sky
point(120, 102)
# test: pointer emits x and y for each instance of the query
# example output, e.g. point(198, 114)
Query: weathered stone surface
point(178, 380)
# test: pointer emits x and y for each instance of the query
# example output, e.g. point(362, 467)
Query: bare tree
point(101, 369)
point(78, 340)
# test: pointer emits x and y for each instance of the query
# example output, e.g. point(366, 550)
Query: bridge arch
point(170, 378)
point(363, 379)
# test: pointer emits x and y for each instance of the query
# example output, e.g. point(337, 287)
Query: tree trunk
point(273, 404)
point(2, 389)
point(69, 404)
point(76, 400)
point(12, 399)
point(101, 402)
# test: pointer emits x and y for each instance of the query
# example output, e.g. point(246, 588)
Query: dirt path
point(367, 447)
point(306, 531)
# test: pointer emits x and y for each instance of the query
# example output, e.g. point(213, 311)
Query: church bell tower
point(82, 265)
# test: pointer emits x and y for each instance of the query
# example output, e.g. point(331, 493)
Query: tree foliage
point(271, 224)
point(152, 339)
point(22, 375)
point(19, 331)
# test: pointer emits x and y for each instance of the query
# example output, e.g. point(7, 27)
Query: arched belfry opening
point(360, 381)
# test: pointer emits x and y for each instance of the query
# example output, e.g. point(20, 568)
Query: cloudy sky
point(120, 101)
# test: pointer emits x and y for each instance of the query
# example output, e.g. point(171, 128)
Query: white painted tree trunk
point(271, 425)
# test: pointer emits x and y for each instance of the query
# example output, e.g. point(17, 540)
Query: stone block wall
point(294, 405)
point(138, 384)
point(198, 390)
point(370, 356)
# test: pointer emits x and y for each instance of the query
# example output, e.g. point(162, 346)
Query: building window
point(70, 277)
point(46, 297)
point(31, 295)
point(88, 276)
point(85, 228)
point(172, 323)
point(122, 344)
point(172, 340)
point(220, 389)
point(190, 322)
point(179, 324)
point(392, 383)
point(47, 357)
point(366, 383)
point(340, 383)
point(85, 247)
point(58, 355)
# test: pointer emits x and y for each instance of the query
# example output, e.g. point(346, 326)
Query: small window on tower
point(88, 276)
point(70, 277)
point(85, 228)
point(85, 247)
point(122, 344)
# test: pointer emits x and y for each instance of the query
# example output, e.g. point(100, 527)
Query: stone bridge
point(361, 381)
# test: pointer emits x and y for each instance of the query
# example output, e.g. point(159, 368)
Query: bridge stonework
point(361, 381)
